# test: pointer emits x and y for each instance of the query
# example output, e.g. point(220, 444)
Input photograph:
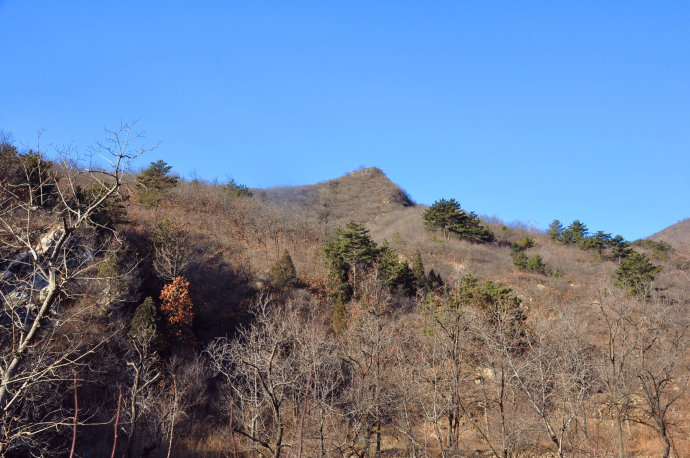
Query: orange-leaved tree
point(177, 308)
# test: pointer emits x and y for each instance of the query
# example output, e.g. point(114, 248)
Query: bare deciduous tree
point(370, 400)
point(614, 371)
point(555, 375)
point(171, 250)
point(317, 355)
point(144, 370)
point(50, 251)
point(446, 366)
point(659, 350)
point(261, 369)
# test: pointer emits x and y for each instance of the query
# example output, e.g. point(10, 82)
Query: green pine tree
point(575, 233)
point(620, 248)
point(526, 242)
point(536, 264)
point(442, 215)
point(598, 242)
point(555, 231)
point(114, 287)
point(520, 260)
point(154, 183)
point(418, 272)
point(501, 307)
point(347, 255)
point(472, 230)
point(145, 325)
point(635, 275)
point(397, 274)
point(450, 218)
point(234, 189)
point(283, 272)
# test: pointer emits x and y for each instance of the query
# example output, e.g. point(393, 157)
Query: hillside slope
point(678, 235)
point(361, 195)
point(229, 306)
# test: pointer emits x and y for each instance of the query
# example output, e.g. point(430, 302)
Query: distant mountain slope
point(678, 235)
point(361, 195)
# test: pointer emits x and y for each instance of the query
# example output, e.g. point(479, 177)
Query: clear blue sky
point(526, 110)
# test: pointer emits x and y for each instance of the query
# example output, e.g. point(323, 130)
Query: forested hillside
point(147, 315)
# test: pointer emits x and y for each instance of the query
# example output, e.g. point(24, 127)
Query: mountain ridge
point(677, 235)
point(367, 194)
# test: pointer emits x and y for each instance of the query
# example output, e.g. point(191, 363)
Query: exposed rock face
point(23, 285)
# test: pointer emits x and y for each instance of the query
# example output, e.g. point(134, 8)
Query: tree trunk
point(28, 339)
point(667, 442)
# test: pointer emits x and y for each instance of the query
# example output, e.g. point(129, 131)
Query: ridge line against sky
point(531, 111)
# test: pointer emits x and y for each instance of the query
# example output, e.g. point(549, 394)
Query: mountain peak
point(360, 195)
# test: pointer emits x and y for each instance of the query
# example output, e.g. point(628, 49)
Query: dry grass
point(678, 235)
point(249, 235)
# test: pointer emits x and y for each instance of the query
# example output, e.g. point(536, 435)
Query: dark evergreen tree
point(145, 325)
point(515, 249)
point(659, 250)
point(234, 189)
point(283, 272)
point(555, 231)
point(526, 242)
point(502, 308)
point(397, 274)
point(347, 254)
point(520, 260)
point(443, 214)
point(434, 280)
point(575, 233)
point(449, 217)
point(536, 264)
point(472, 230)
point(418, 272)
point(620, 248)
point(635, 275)
point(154, 183)
point(599, 242)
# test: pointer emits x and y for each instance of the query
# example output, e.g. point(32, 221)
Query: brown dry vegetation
point(312, 211)
point(678, 235)
point(432, 375)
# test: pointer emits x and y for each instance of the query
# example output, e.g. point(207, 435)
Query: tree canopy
point(575, 233)
point(154, 182)
point(283, 272)
point(447, 215)
point(350, 253)
point(347, 253)
point(636, 274)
